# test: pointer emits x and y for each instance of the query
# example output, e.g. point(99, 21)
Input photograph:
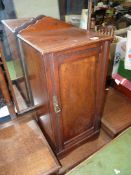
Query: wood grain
point(74, 96)
point(45, 24)
point(24, 150)
point(117, 113)
point(61, 39)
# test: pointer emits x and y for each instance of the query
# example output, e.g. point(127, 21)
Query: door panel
point(77, 79)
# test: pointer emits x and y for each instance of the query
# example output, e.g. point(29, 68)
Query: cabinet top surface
point(24, 149)
point(61, 39)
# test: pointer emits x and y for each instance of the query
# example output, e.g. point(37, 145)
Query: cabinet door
point(75, 96)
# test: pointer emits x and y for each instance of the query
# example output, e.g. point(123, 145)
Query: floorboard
point(117, 113)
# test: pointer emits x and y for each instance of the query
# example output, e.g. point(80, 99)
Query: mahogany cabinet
point(15, 67)
point(66, 69)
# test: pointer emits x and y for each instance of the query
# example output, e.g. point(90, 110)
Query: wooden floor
point(24, 149)
point(116, 118)
point(117, 113)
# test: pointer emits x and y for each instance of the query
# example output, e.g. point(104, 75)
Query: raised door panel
point(75, 82)
point(77, 93)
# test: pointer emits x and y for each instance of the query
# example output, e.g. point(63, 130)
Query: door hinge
point(55, 104)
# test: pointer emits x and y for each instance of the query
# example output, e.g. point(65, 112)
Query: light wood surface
point(61, 39)
point(24, 149)
point(117, 113)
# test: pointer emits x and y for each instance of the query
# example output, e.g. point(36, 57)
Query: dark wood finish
point(5, 92)
point(122, 90)
point(75, 75)
point(67, 71)
point(117, 113)
point(5, 89)
point(24, 149)
point(72, 84)
point(45, 24)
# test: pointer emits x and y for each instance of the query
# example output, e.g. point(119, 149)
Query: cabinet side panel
point(36, 74)
point(77, 93)
point(38, 84)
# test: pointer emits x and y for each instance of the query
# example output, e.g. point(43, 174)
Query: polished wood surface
point(75, 75)
point(74, 96)
point(24, 149)
point(61, 39)
point(36, 75)
point(67, 70)
point(95, 78)
point(45, 24)
point(122, 90)
point(117, 113)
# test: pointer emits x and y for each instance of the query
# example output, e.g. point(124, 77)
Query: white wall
point(32, 8)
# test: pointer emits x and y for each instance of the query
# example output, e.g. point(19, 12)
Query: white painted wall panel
point(32, 8)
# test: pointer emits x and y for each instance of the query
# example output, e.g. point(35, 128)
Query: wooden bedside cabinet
point(66, 69)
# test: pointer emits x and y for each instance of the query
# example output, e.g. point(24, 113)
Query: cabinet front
point(75, 95)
